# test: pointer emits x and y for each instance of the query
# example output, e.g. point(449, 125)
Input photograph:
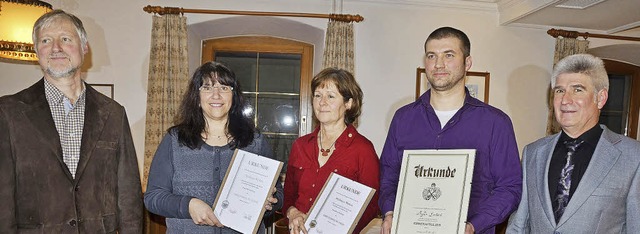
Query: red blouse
point(353, 157)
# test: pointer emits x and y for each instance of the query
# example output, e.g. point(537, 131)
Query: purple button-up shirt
point(497, 176)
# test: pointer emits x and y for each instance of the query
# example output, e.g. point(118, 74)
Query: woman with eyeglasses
point(334, 146)
point(192, 159)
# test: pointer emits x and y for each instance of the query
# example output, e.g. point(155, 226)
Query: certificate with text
point(244, 191)
point(433, 191)
point(339, 206)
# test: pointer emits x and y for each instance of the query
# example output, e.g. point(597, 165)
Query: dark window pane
point(614, 113)
point(613, 122)
point(281, 146)
point(278, 113)
point(250, 109)
point(279, 73)
point(243, 64)
point(617, 88)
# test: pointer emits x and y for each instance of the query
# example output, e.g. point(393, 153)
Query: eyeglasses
point(221, 88)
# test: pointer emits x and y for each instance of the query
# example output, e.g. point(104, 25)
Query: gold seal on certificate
point(433, 191)
point(244, 191)
point(339, 206)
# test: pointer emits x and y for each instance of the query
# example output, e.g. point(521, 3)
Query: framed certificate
point(433, 191)
point(244, 191)
point(339, 206)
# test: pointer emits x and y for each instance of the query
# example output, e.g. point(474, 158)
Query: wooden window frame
point(268, 44)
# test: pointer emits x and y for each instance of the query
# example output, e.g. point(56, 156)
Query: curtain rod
point(573, 34)
point(178, 10)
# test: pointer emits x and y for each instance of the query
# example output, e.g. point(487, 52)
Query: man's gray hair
point(585, 64)
point(47, 19)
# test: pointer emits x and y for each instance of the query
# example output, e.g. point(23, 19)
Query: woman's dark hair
point(191, 121)
point(346, 85)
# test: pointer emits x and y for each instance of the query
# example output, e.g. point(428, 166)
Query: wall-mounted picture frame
point(106, 89)
point(476, 82)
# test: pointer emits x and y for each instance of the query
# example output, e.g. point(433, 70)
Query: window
point(615, 113)
point(275, 76)
point(620, 113)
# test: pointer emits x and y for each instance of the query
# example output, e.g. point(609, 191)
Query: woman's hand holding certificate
point(246, 191)
point(296, 221)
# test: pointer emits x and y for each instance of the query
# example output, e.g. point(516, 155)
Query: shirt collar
point(345, 138)
point(468, 100)
point(591, 136)
point(55, 96)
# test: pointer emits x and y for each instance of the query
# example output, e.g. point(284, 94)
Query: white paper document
point(339, 206)
point(433, 191)
point(246, 186)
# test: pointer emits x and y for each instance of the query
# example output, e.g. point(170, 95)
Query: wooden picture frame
point(106, 89)
point(476, 82)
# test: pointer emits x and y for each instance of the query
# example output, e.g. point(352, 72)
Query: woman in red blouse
point(334, 146)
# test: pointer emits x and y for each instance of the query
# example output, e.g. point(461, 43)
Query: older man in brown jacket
point(67, 161)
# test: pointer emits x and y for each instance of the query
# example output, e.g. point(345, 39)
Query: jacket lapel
point(40, 116)
point(95, 117)
point(543, 159)
point(604, 157)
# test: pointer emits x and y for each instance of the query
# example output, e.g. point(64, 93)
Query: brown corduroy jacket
point(38, 193)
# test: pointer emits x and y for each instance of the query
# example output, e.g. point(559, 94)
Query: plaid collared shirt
point(69, 121)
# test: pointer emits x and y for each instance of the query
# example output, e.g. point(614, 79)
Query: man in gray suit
point(591, 185)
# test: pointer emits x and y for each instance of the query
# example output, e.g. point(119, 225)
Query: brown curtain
point(338, 48)
point(564, 48)
point(168, 79)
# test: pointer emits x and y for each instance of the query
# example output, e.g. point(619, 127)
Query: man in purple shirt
point(446, 117)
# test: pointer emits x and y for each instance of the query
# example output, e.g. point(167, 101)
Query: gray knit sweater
point(179, 173)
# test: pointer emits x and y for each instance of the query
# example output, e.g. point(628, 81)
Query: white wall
point(389, 47)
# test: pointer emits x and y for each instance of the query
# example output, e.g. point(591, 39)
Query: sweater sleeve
point(159, 198)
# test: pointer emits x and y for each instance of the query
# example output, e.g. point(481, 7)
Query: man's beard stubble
point(65, 72)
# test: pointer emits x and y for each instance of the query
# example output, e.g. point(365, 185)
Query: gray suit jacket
point(607, 199)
